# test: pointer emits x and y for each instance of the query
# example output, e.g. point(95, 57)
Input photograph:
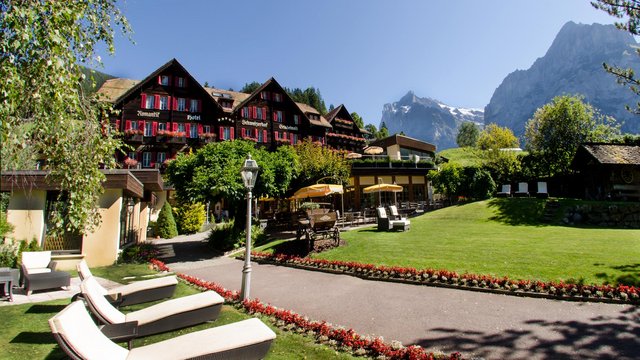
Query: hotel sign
point(254, 123)
point(152, 114)
point(285, 127)
point(193, 117)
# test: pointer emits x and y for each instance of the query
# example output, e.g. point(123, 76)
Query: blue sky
point(363, 53)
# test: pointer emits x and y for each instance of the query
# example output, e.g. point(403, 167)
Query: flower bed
point(325, 333)
point(451, 279)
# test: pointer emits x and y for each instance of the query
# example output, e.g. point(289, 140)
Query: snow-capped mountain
point(428, 119)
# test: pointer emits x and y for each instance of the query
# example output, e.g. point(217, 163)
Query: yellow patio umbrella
point(379, 188)
point(318, 190)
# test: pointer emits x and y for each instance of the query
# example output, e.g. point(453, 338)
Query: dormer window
point(226, 104)
point(163, 80)
point(181, 82)
point(277, 97)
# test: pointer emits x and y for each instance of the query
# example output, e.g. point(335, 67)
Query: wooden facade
point(345, 135)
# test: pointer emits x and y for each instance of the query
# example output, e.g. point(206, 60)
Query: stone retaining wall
point(605, 215)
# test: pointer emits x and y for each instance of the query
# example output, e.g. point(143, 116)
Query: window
point(164, 103)
point(164, 80)
point(277, 97)
point(226, 133)
point(193, 106)
point(182, 104)
point(260, 114)
point(150, 102)
point(226, 104)
point(207, 129)
point(278, 116)
point(133, 155)
point(296, 119)
point(264, 95)
point(294, 139)
point(148, 128)
point(146, 159)
point(181, 127)
point(261, 136)
point(193, 131)
point(180, 81)
point(162, 126)
point(134, 125)
point(161, 157)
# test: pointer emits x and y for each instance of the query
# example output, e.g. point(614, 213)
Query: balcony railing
point(392, 164)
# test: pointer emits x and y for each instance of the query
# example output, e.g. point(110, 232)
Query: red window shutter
point(160, 79)
point(156, 101)
point(168, 102)
point(200, 129)
point(221, 133)
point(243, 131)
point(174, 127)
point(117, 125)
point(127, 125)
point(291, 138)
point(141, 125)
point(154, 127)
point(277, 134)
point(255, 112)
point(273, 115)
point(143, 102)
point(264, 135)
point(231, 132)
point(255, 133)
point(175, 104)
point(187, 127)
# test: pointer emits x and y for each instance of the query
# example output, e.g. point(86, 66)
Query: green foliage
point(5, 226)
point(470, 182)
point(495, 137)
point(93, 80)
point(139, 253)
point(559, 127)
point(448, 180)
point(45, 113)
point(249, 88)
point(383, 132)
point(463, 156)
point(227, 236)
point(166, 226)
point(373, 131)
point(357, 119)
point(310, 96)
point(468, 134)
point(317, 162)
point(9, 252)
point(190, 217)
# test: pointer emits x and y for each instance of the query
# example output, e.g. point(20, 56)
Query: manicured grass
point(462, 156)
point(25, 331)
point(500, 237)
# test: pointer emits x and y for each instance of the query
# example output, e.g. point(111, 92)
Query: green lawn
point(462, 156)
point(501, 237)
point(25, 331)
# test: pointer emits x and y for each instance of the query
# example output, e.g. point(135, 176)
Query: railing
point(392, 164)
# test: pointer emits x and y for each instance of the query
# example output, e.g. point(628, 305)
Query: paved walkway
point(476, 324)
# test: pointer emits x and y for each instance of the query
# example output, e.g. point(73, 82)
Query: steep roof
point(608, 154)
point(405, 142)
point(235, 96)
point(306, 109)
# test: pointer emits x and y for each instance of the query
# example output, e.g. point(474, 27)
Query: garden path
point(477, 324)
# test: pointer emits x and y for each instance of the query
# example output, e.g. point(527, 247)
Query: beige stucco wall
point(144, 220)
point(100, 248)
point(394, 152)
point(26, 214)
point(161, 198)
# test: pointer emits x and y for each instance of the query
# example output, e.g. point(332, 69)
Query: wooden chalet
point(346, 135)
point(609, 171)
point(166, 113)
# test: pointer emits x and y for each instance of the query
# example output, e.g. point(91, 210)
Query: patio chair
point(397, 221)
point(523, 190)
point(80, 338)
point(386, 224)
point(542, 190)
point(168, 315)
point(38, 272)
point(506, 191)
point(137, 292)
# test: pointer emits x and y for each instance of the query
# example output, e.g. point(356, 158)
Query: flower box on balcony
point(177, 140)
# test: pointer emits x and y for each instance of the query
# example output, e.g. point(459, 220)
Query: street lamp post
point(249, 173)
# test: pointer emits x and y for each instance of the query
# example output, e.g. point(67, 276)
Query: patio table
point(8, 278)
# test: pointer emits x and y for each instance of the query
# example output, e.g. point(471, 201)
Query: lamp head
point(249, 172)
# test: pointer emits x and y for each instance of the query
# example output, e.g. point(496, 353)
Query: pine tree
point(166, 225)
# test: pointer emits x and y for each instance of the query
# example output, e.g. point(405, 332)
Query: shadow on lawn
point(601, 337)
point(630, 277)
point(518, 211)
point(32, 337)
point(45, 309)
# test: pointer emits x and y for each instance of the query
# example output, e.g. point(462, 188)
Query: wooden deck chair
point(137, 292)
point(166, 316)
point(80, 338)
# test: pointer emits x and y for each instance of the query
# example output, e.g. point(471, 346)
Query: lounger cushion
point(36, 261)
point(217, 339)
point(95, 294)
point(144, 285)
point(74, 324)
point(83, 270)
point(175, 306)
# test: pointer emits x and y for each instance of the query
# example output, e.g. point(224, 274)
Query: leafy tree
point(384, 132)
point(213, 173)
point(373, 131)
point(447, 181)
point(495, 137)
point(166, 226)
point(630, 11)
point(45, 113)
point(357, 119)
point(249, 88)
point(468, 134)
point(558, 128)
point(190, 217)
point(317, 162)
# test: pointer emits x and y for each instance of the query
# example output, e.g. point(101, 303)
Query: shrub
point(225, 237)
point(9, 254)
point(166, 225)
point(190, 218)
point(139, 253)
point(5, 226)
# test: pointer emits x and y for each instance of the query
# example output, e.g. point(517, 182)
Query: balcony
point(177, 140)
point(133, 138)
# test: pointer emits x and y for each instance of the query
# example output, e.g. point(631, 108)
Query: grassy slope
point(462, 156)
point(25, 330)
point(500, 237)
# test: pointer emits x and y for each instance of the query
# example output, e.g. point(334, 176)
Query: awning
point(318, 190)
